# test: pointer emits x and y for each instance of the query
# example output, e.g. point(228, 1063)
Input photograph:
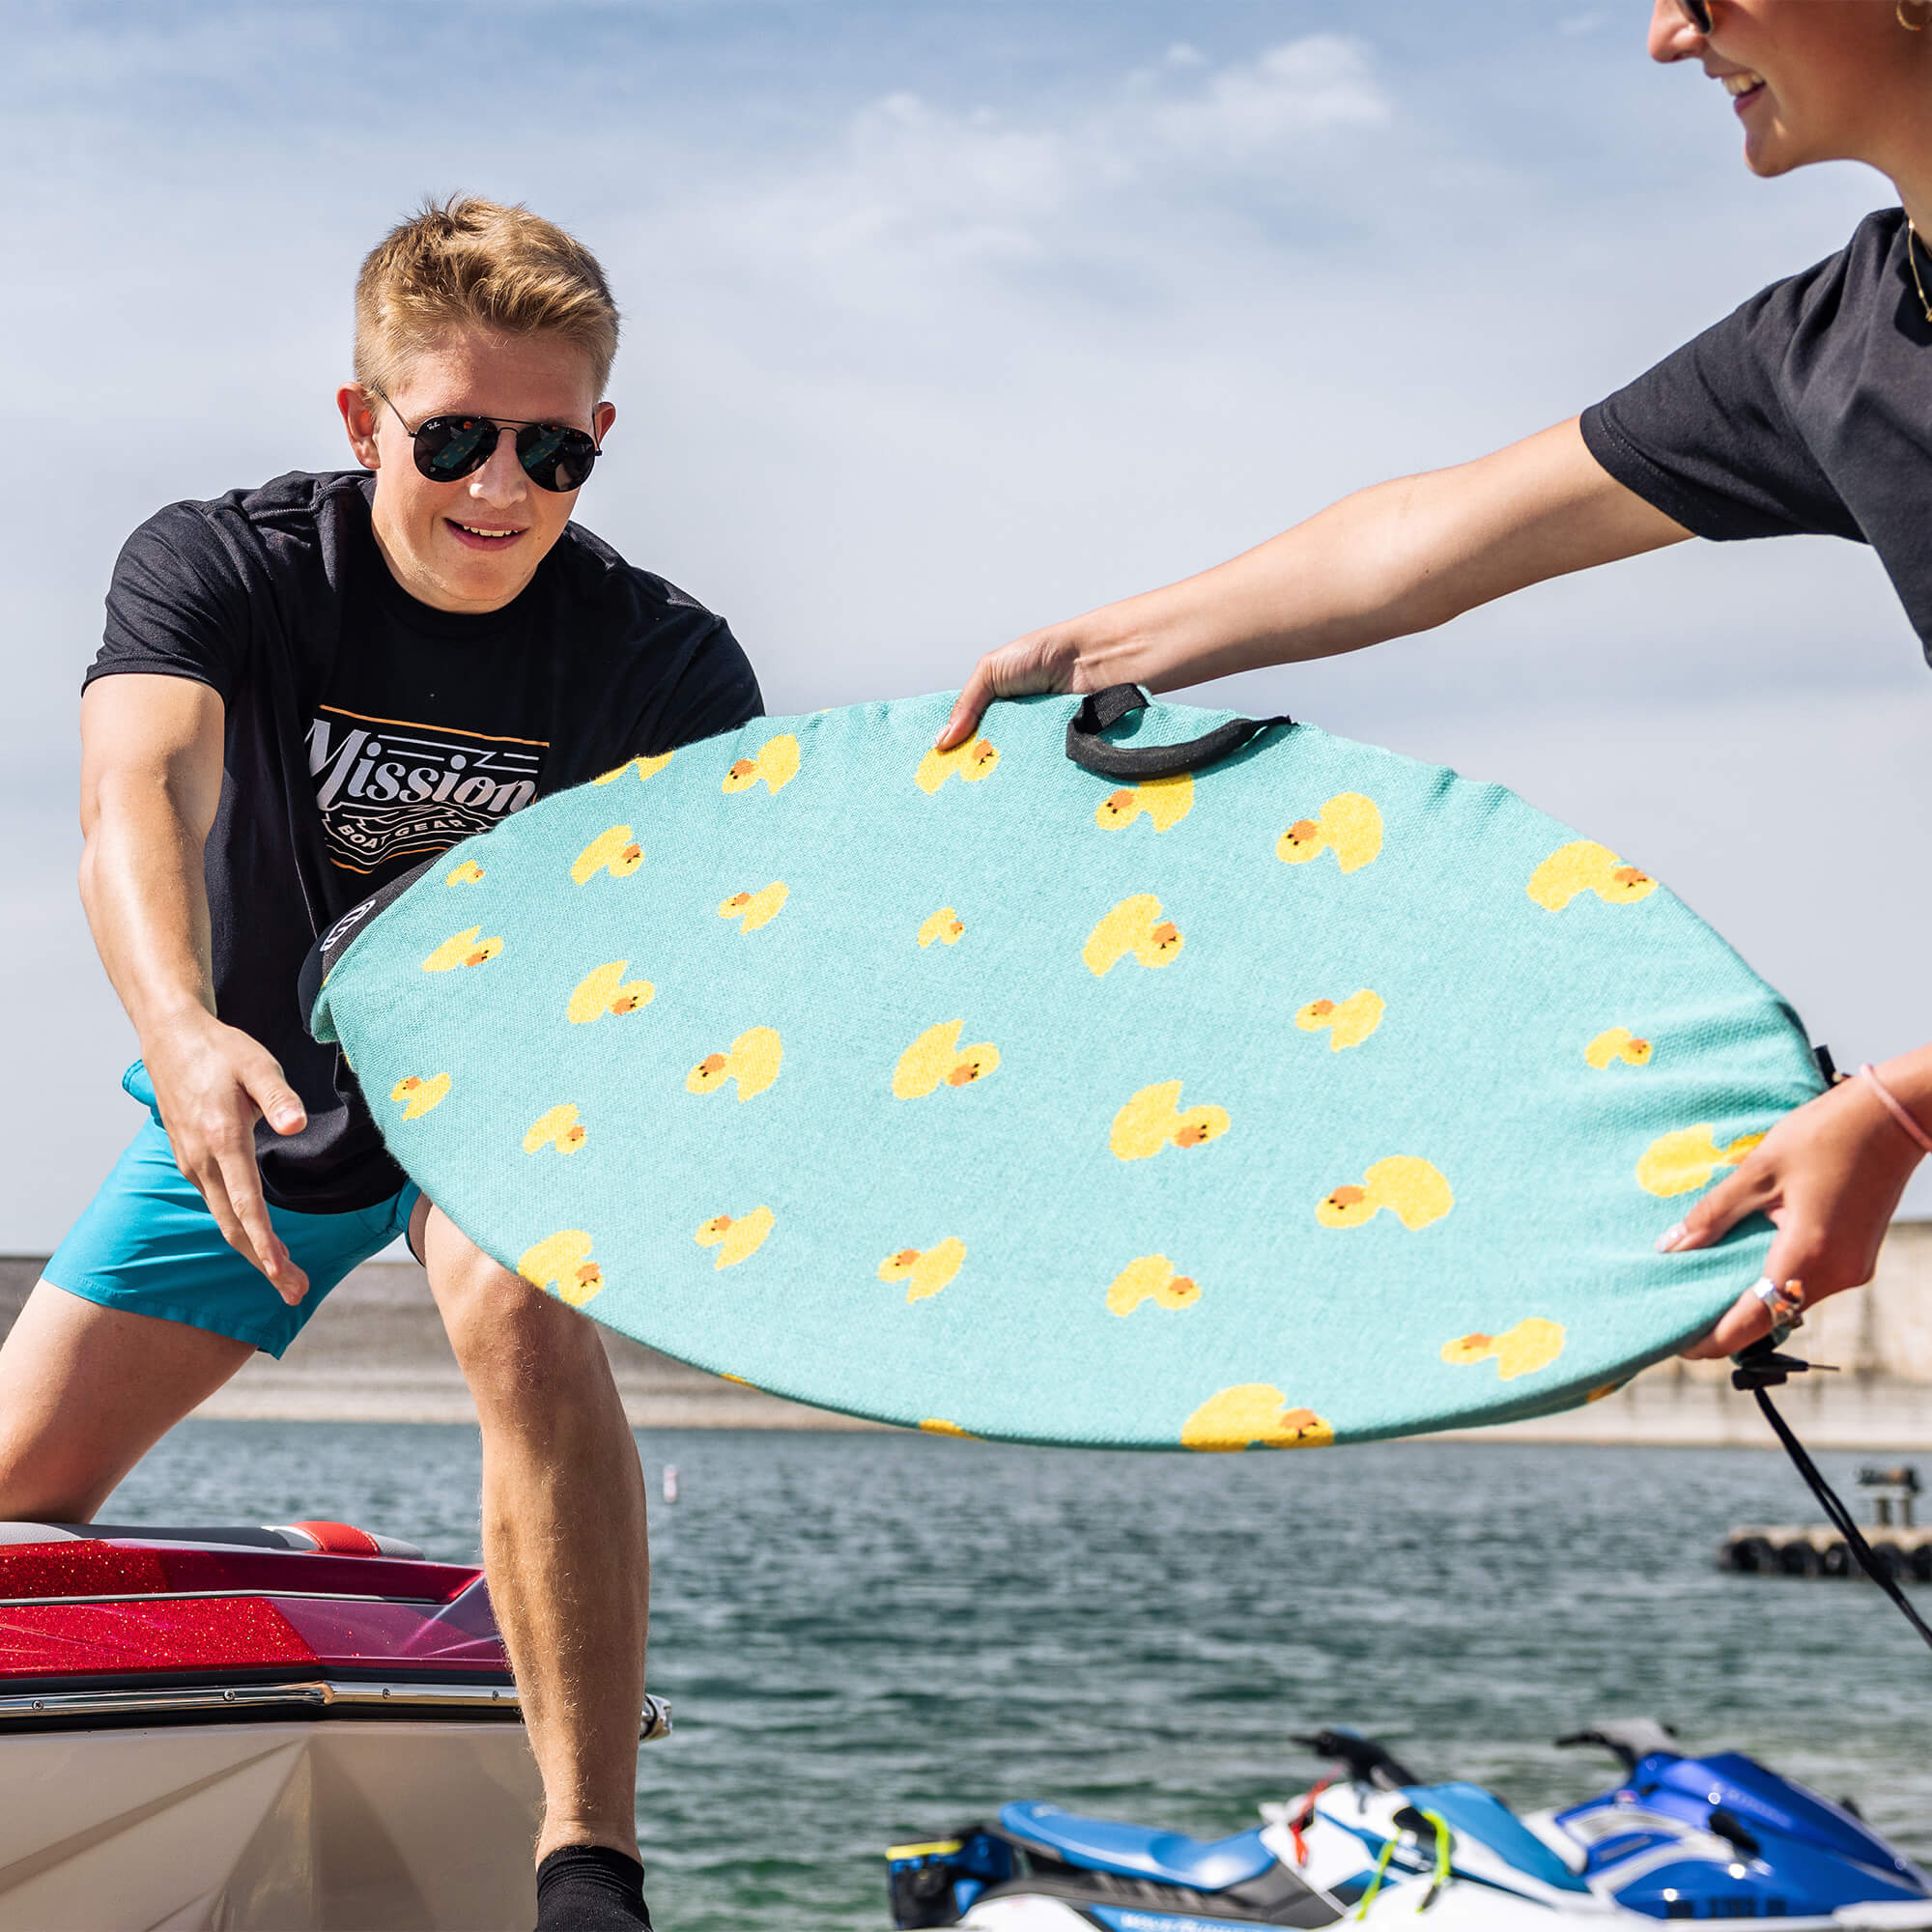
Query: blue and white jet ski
point(1714, 1838)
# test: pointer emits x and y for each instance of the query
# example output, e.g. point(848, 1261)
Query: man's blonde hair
point(467, 260)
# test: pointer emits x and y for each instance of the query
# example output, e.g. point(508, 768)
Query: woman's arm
point(149, 782)
point(1396, 558)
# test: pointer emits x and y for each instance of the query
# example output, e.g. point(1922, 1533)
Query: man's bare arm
point(149, 782)
point(1390, 561)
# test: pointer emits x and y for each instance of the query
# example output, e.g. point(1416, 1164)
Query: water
point(876, 1636)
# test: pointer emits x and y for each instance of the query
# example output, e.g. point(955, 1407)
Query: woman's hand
point(1829, 1176)
point(1041, 660)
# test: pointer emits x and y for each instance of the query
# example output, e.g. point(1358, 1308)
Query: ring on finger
point(1784, 1302)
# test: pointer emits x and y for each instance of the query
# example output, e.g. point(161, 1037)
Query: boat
point(294, 1726)
point(1683, 1836)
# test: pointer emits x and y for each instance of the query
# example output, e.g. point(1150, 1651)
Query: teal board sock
point(1314, 1095)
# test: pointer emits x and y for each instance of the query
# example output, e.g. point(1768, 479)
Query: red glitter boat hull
point(306, 1727)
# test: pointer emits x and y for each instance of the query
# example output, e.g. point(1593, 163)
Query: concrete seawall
point(376, 1352)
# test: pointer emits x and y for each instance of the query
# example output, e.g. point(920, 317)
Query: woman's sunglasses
point(553, 455)
point(1698, 13)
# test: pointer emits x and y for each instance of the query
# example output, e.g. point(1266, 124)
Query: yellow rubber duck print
point(1348, 825)
point(970, 762)
point(612, 852)
point(562, 1262)
point(1410, 1188)
point(1585, 866)
point(1254, 1415)
point(1150, 1278)
point(736, 1237)
point(644, 768)
point(1617, 1043)
point(753, 910)
point(1134, 926)
point(1349, 1022)
point(1153, 1120)
point(754, 1063)
point(776, 763)
point(420, 1093)
point(559, 1129)
point(1675, 1163)
point(926, 1272)
point(1532, 1343)
point(945, 925)
point(605, 990)
point(462, 949)
point(1165, 802)
point(936, 1059)
point(469, 873)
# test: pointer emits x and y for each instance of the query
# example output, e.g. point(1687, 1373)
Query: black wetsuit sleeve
point(177, 604)
point(1708, 435)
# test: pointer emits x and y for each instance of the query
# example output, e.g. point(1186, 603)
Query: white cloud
point(924, 184)
point(1251, 114)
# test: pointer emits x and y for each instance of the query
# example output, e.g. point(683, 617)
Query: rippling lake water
point(875, 1636)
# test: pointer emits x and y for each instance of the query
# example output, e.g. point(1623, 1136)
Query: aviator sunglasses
point(1698, 13)
point(447, 448)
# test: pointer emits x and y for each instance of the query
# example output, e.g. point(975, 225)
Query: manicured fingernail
point(1669, 1238)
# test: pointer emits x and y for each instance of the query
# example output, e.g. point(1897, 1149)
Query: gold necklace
point(1911, 246)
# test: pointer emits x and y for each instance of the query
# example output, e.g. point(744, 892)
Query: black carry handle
point(1092, 752)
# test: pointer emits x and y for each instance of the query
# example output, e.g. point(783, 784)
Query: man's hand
point(213, 1083)
point(1829, 1176)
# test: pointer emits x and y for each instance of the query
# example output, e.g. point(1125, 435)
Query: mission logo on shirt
point(391, 790)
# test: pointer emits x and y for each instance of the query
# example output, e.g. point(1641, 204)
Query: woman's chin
point(1767, 156)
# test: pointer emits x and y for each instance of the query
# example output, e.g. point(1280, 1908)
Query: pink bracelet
point(1895, 1107)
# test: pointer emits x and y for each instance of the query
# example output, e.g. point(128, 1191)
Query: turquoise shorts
point(147, 1242)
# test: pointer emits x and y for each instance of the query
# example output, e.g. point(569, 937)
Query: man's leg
point(86, 1391)
point(563, 1531)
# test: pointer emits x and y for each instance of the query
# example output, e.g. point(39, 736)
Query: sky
point(943, 321)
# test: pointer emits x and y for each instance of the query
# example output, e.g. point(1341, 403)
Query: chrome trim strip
point(137, 1700)
point(135, 1600)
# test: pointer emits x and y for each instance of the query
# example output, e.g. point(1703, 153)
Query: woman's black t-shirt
point(365, 732)
point(1810, 410)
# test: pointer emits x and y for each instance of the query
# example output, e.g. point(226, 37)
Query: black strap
point(1105, 708)
point(325, 955)
point(1759, 1366)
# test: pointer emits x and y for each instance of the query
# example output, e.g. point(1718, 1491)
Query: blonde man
point(304, 690)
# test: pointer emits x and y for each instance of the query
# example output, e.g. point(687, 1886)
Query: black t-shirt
point(366, 732)
point(1810, 410)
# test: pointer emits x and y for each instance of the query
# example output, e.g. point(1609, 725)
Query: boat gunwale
point(306, 1698)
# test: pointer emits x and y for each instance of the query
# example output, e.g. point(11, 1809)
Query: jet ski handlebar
point(1627, 1739)
point(1365, 1760)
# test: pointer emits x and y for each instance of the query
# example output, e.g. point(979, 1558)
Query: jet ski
point(299, 1727)
point(1683, 1837)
